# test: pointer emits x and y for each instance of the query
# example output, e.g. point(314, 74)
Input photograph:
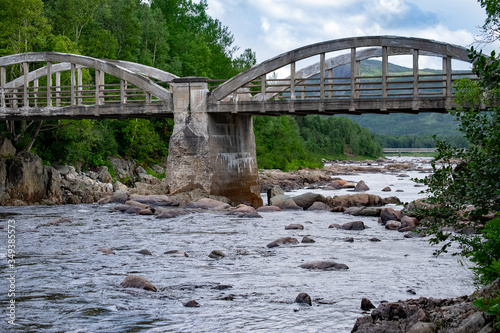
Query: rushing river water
point(63, 284)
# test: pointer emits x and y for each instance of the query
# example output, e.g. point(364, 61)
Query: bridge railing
point(422, 86)
point(39, 80)
point(61, 96)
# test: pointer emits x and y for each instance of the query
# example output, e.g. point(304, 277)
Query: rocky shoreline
point(24, 180)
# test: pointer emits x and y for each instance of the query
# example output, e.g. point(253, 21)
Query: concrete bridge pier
point(213, 152)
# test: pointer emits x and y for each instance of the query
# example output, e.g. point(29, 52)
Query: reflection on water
point(65, 284)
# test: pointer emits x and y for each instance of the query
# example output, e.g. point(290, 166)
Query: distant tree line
point(293, 142)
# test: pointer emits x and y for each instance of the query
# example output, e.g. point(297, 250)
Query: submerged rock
point(145, 252)
point(244, 211)
point(324, 265)
point(177, 253)
point(269, 209)
point(55, 222)
point(294, 226)
point(283, 241)
point(207, 203)
point(163, 213)
point(216, 254)
point(135, 281)
point(192, 304)
point(105, 251)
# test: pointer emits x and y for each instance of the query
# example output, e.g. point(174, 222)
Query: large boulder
point(341, 202)
point(363, 211)
point(354, 225)
point(274, 191)
point(284, 202)
point(154, 200)
point(207, 203)
point(319, 206)
point(244, 211)
point(103, 175)
point(7, 150)
point(26, 178)
point(361, 186)
point(269, 209)
point(306, 200)
point(124, 169)
point(389, 213)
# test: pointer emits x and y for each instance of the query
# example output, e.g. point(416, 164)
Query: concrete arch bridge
point(212, 145)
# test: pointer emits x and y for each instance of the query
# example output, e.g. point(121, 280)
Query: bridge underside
point(337, 106)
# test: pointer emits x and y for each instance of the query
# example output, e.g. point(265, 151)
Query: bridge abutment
point(213, 152)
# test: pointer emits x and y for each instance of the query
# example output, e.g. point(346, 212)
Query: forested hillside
point(177, 36)
point(406, 130)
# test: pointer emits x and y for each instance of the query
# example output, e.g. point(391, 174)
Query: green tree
point(23, 28)
point(467, 195)
point(279, 144)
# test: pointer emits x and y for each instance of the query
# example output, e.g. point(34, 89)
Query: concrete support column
point(213, 152)
point(188, 162)
point(232, 145)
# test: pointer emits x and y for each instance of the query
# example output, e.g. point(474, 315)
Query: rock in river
point(135, 281)
point(354, 225)
point(303, 298)
point(324, 265)
point(216, 254)
point(283, 241)
point(294, 226)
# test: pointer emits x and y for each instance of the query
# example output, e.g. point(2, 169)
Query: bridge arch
point(54, 96)
point(372, 46)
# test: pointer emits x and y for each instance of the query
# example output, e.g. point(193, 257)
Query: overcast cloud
point(272, 27)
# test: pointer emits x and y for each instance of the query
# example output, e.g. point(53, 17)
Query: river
point(63, 284)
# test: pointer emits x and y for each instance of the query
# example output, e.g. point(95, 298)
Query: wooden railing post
point(353, 72)
point(415, 73)
point(385, 70)
point(322, 76)
point(263, 87)
point(49, 83)
point(2, 86)
point(73, 83)
point(448, 76)
point(330, 87)
point(123, 92)
point(80, 84)
point(99, 85)
point(263, 93)
point(26, 70)
point(35, 91)
point(292, 81)
point(58, 88)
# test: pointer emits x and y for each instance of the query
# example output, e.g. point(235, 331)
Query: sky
point(272, 27)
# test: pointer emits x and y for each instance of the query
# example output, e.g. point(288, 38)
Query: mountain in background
point(402, 124)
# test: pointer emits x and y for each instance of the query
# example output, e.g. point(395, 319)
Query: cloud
point(272, 27)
